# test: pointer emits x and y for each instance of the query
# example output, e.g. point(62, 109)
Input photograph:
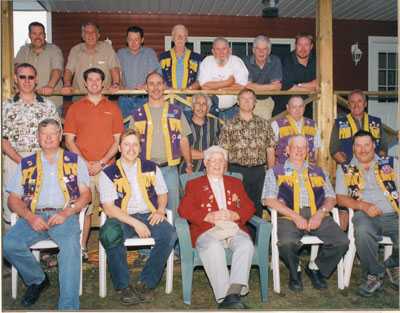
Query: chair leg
point(14, 282)
point(102, 271)
point(340, 274)
point(264, 282)
point(314, 254)
point(275, 268)
point(387, 252)
point(348, 264)
point(170, 273)
point(187, 281)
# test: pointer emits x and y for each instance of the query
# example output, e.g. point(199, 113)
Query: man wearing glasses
point(21, 116)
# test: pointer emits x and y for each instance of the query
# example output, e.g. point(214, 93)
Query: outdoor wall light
point(356, 53)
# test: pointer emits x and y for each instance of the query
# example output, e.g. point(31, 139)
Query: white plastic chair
point(306, 240)
point(133, 242)
point(349, 256)
point(43, 244)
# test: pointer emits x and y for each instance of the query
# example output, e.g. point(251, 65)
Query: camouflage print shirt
point(247, 141)
point(21, 120)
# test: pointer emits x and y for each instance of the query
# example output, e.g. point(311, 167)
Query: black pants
point(329, 253)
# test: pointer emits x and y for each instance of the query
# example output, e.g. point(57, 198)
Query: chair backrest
point(184, 178)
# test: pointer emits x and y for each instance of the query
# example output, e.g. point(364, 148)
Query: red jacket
point(199, 200)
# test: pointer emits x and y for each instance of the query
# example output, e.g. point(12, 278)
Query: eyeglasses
point(30, 77)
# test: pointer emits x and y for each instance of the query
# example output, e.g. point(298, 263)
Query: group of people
point(48, 186)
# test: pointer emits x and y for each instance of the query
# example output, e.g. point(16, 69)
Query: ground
point(202, 296)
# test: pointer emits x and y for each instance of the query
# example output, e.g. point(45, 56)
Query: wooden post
point(325, 105)
point(7, 47)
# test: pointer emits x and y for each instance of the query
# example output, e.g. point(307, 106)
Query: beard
point(221, 62)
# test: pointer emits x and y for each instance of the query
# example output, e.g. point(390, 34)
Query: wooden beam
point(325, 105)
point(7, 47)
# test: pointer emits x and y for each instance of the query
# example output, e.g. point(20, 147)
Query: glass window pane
point(391, 78)
point(280, 50)
point(249, 48)
point(382, 77)
point(392, 60)
point(239, 49)
point(205, 48)
point(190, 45)
point(382, 60)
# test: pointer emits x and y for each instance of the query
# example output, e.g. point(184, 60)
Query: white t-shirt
point(211, 72)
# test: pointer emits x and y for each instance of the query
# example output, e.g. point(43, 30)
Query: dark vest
point(191, 65)
point(32, 177)
point(146, 179)
point(373, 125)
point(289, 189)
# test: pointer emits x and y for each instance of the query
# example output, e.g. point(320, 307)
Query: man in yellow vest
point(47, 191)
point(134, 193)
point(369, 185)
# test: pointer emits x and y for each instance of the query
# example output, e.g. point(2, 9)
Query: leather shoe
point(232, 302)
point(34, 291)
point(295, 284)
point(316, 279)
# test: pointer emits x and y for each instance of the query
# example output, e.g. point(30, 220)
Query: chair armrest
point(263, 227)
point(184, 238)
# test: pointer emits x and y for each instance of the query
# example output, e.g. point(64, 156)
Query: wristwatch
point(299, 84)
point(73, 206)
point(103, 165)
point(324, 210)
point(189, 164)
point(116, 83)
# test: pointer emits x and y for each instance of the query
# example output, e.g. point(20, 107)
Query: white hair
point(215, 149)
point(296, 136)
point(262, 38)
point(179, 26)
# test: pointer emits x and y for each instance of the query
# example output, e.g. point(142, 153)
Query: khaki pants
point(94, 188)
point(264, 108)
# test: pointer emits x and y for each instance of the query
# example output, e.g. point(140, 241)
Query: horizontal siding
point(347, 76)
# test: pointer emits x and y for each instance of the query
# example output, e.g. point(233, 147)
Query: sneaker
point(144, 293)
point(370, 286)
point(34, 291)
point(128, 297)
point(141, 260)
point(393, 274)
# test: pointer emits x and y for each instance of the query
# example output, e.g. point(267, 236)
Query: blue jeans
point(164, 236)
point(16, 250)
point(229, 113)
point(127, 104)
point(368, 232)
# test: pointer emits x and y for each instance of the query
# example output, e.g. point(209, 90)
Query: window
point(241, 47)
point(387, 75)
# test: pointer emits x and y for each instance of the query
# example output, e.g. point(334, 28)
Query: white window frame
point(197, 41)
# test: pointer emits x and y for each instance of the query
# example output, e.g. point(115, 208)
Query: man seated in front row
point(133, 191)
point(217, 200)
point(303, 196)
point(369, 185)
point(47, 191)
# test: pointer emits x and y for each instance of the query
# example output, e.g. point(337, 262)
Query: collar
point(253, 61)
point(127, 168)
point(95, 48)
point(354, 161)
point(289, 164)
point(43, 48)
point(85, 98)
point(184, 53)
point(192, 122)
point(38, 97)
point(44, 159)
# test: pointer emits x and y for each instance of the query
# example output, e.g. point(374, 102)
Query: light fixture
point(356, 53)
point(270, 10)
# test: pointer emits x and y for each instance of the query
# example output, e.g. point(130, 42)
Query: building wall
point(347, 76)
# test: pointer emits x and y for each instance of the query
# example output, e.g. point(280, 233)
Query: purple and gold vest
point(347, 129)
point(32, 177)
point(286, 129)
point(385, 177)
point(289, 187)
point(171, 125)
point(191, 65)
point(146, 175)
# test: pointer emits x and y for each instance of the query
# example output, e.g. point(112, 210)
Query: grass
point(203, 298)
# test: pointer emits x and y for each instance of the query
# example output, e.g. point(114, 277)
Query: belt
point(47, 209)
point(135, 96)
point(305, 207)
point(160, 165)
point(247, 166)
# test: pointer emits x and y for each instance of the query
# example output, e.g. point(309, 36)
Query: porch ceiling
point(385, 10)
